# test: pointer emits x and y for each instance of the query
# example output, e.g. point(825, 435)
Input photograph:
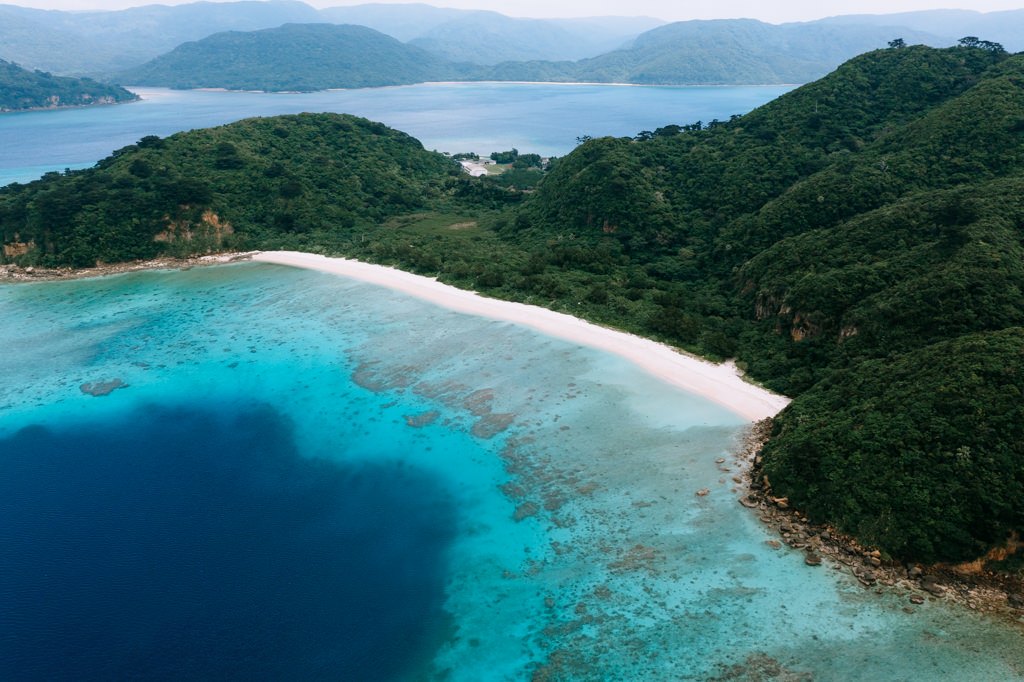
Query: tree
point(897, 43)
point(973, 41)
point(505, 157)
point(992, 47)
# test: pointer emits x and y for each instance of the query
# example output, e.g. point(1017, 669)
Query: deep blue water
point(196, 543)
point(543, 118)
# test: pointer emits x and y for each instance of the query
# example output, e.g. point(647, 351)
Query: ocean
point(250, 471)
point(544, 118)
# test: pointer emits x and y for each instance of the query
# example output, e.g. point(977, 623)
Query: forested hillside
point(856, 244)
point(242, 185)
point(294, 57)
point(853, 242)
point(22, 89)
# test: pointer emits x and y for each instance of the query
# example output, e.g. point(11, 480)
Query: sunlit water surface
point(312, 478)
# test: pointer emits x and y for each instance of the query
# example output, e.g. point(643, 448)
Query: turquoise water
point(450, 117)
point(308, 477)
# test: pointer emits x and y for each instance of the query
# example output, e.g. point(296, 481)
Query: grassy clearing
point(439, 225)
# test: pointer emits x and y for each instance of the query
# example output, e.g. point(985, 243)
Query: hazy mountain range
point(93, 42)
point(245, 45)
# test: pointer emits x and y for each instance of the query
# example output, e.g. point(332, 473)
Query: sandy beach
point(721, 384)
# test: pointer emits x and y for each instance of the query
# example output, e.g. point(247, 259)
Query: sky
point(772, 11)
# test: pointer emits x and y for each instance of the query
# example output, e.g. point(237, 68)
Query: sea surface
point(306, 477)
point(543, 118)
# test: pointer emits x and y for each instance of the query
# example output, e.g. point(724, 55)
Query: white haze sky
point(772, 11)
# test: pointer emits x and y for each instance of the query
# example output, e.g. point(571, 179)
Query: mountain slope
point(490, 38)
point(402, 21)
point(137, 34)
point(1005, 27)
point(736, 51)
point(22, 89)
point(36, 45)
point(292, 57)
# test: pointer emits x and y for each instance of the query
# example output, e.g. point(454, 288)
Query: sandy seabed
point(721, 383)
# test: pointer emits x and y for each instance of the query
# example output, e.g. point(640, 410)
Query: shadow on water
point(188, 544)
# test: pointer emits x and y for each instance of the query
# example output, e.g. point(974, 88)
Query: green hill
point(845, 241)
point(857, 244)
point(22, 89)
point(243, 185)
point(294, 57)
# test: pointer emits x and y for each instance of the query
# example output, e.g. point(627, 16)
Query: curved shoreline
point(721, 384)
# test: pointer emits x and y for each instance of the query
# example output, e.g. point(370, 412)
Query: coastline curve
point(721, 384)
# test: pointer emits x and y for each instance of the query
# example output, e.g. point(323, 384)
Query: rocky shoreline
point(981, 590)
point(14, 273)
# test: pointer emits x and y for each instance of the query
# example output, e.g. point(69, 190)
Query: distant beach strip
point(722, 384)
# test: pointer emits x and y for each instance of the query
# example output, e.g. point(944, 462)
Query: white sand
point(719, 383)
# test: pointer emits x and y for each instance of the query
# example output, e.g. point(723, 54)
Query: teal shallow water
point(578, 548)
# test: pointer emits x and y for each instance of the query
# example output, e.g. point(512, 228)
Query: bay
point(307, 477)
point(541, 118)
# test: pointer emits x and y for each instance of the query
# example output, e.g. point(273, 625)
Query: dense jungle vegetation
point(22, 89)
point(856, 244)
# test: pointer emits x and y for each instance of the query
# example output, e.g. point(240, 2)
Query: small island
point(24, 90)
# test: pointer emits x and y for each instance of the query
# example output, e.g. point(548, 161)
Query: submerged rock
point(102, 388)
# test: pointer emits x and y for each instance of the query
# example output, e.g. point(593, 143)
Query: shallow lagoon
point(460, 498)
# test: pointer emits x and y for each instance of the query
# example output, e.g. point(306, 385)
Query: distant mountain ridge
point(138, 34)
point(467, 45)
point(736, 51)
point(293, 57)
point(1006, 27)
point(108, 41)
point(322, 56)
